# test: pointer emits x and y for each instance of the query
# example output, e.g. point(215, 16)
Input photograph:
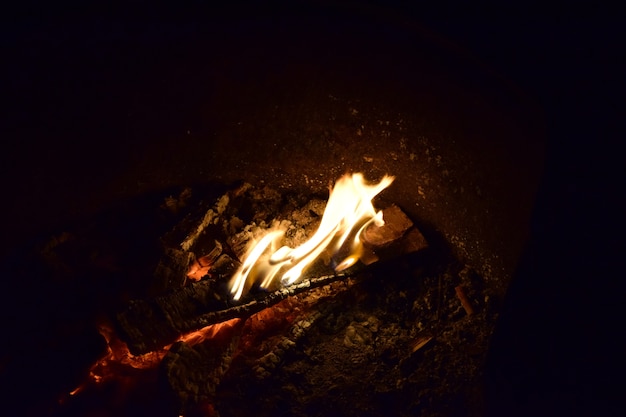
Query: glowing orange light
point(348, 212)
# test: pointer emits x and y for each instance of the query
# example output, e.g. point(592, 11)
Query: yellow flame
point(348, 212)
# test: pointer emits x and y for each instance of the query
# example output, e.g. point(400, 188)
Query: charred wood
point(262, 302)
point(190, 241)
point(147, 325)
point(397, 236)
point(192, 373)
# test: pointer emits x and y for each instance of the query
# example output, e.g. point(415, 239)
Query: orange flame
point(348, 212)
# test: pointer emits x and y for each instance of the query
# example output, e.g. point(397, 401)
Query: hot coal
point(392, 337)
point(361, 355)
point(388, 342)
point(149, 324)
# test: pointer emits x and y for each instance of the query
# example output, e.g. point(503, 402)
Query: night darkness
point(559, 347)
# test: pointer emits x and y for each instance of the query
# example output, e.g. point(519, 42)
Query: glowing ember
point(201, 267)
point(210, 332)
point(120, 366)
point(348, 212)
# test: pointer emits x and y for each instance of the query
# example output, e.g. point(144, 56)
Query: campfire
point(348, 213)
point(306, 300)
point(216, 280)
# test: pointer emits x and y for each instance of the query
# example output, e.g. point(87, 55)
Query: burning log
point(197, 370)
point(190, 247)
point(147, 325)
point(269, 362)
point(265, 301)
point(349, 224)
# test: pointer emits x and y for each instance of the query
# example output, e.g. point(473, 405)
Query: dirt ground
point(394, 337)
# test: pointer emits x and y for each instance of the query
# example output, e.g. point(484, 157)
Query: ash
point(392, 340)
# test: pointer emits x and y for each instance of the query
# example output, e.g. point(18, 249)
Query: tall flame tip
point(348, 211)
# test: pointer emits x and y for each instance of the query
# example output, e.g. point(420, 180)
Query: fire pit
point(400, 328)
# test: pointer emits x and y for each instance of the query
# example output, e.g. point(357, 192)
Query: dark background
point(559, 347)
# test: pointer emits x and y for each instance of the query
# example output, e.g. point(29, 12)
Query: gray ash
point(350, 351)
point(391, 338)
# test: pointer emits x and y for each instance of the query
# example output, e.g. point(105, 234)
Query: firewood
point(202, 265)
point(419, 342)
point(153, 323)
point(263, 302)
point(465, 302)
point(199, 368)
point(147, 325)
point(190, 244)
point(395, 226)
point(397, 236)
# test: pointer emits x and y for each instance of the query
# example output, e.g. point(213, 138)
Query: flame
point(348, 212)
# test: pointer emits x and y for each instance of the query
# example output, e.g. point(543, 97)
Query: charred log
point(150, 324)
point(147, 325)
point(261, 302)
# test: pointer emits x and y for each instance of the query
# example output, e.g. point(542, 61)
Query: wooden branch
point(254, 306)
point(465, 302)
point(147, 325)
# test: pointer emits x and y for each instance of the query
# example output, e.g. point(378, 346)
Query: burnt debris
point(387, 335)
